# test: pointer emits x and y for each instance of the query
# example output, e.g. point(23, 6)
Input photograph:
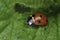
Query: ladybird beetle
point(37, 19)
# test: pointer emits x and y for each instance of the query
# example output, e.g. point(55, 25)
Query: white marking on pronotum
point(31, 21)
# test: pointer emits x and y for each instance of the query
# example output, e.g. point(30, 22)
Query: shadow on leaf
point(21, 8)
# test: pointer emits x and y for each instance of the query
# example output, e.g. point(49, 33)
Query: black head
point(29, 19)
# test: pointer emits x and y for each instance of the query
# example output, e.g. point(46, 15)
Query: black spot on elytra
point(40, 15)
point(39, 21)
point(46, 20)
point(21, 8)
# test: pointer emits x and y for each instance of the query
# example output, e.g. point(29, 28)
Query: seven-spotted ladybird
point(38, 19)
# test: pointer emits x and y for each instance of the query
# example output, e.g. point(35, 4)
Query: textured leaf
point(13, 25)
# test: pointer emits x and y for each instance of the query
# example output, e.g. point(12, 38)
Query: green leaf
point(13, 25)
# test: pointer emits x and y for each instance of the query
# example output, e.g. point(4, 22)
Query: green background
point(13, 24)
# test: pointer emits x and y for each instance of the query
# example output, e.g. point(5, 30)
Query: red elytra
point(40, 19)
